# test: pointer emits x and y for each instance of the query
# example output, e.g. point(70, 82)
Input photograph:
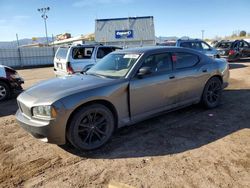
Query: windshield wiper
point(95, 74)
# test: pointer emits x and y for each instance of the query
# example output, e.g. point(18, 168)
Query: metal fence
point(24, 57)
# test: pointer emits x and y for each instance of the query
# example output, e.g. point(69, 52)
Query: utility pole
point(17, 40)
point(43, 11)
point(202, 34)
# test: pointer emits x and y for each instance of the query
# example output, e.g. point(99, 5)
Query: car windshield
point(114, 65)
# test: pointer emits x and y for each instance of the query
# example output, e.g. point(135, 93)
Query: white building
point(131, 31)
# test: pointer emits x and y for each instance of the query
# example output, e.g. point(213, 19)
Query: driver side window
point(158, 62)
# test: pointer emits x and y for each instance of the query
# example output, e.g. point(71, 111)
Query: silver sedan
point(123, 88)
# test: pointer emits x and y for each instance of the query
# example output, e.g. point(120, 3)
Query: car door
point(244, 48)
point(190, 76)
point(81, 57)
point(155, 91)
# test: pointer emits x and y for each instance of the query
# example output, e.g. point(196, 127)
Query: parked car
point(233, 50)
point(123, 88)
point(195, 44)
point(79, 58)
point(10, 82)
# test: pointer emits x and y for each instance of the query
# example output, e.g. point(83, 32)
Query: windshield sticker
point(131, 56)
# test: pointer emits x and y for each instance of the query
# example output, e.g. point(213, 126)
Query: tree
point(243, 33)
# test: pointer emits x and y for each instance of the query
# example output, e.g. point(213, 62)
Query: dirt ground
point(191, 147)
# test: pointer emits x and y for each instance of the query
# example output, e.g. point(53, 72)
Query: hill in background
point(13, 44)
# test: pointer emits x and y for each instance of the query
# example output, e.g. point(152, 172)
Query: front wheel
point(212, 93)
point(91, 127)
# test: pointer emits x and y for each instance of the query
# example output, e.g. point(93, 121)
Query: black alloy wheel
point(212, 93)
point(91, 127)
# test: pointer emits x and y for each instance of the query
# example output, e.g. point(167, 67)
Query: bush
point(243, 33)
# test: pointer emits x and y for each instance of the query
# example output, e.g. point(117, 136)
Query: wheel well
point(107, 104)
point(4, 81)
point(218, 76)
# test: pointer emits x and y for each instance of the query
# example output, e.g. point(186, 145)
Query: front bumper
point(16, 85)
point(51, 131)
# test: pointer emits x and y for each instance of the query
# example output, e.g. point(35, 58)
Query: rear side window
point(196, 45)
point(193, 45)
point(103, 51)
point(244, 44)
point(168, 44)
point(62, 53)
point(184, 60)
point(185, 45)
point(82, 52)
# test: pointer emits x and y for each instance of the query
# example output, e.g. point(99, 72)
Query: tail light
point(231, 52)
point(69, 68)
point(174, 58)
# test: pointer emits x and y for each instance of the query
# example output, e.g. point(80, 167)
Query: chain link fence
point(25, 57)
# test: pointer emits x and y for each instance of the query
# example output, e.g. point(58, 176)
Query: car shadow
point(8, 107)
point(176, 132)
point(242, 60)
point(236, 65)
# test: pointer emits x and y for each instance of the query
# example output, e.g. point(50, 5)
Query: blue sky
point(172, 17)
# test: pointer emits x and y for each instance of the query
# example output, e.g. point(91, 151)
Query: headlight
point(44, 112)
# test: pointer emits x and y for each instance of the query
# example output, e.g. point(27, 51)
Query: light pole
point(202, 34)
point(43, 11)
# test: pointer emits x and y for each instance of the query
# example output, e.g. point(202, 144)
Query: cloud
point(85, 3)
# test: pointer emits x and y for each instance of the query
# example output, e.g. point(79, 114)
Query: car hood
point(57, 88)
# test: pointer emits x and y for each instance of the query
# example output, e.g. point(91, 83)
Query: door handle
point(171, 77)
point(204, 70)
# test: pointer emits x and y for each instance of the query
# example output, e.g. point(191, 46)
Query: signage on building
point(120, 34)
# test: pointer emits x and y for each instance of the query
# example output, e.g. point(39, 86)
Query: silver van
point(79, 58)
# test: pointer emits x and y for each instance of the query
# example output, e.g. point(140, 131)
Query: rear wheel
point(91, 127)
point(4, 91)
point(212, 93)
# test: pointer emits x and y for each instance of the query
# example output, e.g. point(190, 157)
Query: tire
point(211, 96)
point(4, 91)
point(91, 127)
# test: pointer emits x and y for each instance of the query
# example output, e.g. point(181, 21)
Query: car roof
point(155, 49)
point(93, 45)
point(89, 45)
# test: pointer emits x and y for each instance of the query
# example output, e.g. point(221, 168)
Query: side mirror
point(85, 69)
point(144, 71)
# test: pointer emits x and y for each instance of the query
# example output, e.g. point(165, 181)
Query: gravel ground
point(191, 147)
